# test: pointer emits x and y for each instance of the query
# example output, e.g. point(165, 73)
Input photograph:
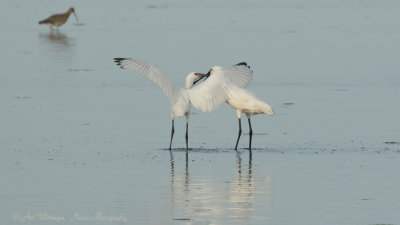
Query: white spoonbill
point(244, 102)
point(206, 96)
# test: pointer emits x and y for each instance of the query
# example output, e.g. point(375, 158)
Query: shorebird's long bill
point(76, 16)
point(200, 77)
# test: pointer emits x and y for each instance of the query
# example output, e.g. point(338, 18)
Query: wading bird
point(206, 96)
point(58, 19)
point(244, 102)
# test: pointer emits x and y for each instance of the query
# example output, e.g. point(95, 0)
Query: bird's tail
point(267, 109)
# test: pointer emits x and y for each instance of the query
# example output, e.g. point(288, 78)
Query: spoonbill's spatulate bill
point(244, 102)
point(206, 96)
point(59, 19)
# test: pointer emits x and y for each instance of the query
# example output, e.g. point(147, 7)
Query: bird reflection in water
point(242, 191)
point(56, 37)
point(174, 179)
point(58, 48)
point(210, 199)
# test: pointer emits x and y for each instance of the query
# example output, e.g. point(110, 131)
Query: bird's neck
point(189, 80)
point(189, 85)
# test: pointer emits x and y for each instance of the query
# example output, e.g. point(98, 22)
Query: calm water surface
point(83, 142)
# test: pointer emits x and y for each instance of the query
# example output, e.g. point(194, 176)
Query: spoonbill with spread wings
point(244, 102)
point(206, 96)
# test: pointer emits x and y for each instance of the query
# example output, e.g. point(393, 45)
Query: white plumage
point(243, 101)
point(206, 96)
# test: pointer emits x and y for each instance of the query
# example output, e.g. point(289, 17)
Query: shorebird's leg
point(187, 136)
point(172, 134)
point(240, 133)
point(250, 133)
point(187, 127)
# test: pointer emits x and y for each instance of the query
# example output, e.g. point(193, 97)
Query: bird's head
point(193, 78)
point(214, 69)
point(72, 10)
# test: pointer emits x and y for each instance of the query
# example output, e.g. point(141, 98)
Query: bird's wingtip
point(242, 64)
point(118, 60)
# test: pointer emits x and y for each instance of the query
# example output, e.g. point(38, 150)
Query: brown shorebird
point(58, 19)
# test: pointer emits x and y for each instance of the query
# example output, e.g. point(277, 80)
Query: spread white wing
point(213, 92)
point(152, 73)
point(239, 75)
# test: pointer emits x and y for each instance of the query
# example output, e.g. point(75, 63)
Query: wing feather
point(213, 92)
point(239, 75)
point(150, 72)
point(210, 94)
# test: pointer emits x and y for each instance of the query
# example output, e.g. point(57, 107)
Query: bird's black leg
point(240, 133)
point(172, 134)
point(187, 136)
point(250, 133)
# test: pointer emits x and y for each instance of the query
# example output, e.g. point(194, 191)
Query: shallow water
point(84, 142)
